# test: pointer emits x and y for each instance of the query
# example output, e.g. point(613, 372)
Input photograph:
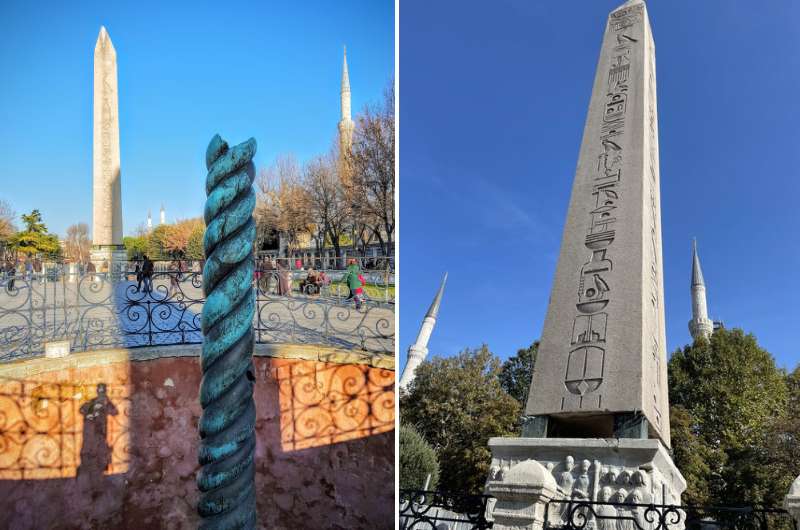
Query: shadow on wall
point(116, 446)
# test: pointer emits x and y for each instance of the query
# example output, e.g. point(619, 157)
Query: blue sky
point(186, 70)
point(492, 109)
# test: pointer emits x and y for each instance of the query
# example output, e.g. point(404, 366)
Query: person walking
point(284, 280)
point(355, 282)
point(138, 272)
point(11, 271)
point(173, 277)
point(147, 274)
point(269, 270)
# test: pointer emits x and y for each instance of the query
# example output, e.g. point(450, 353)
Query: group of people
point(269, 268)
point(28, 269)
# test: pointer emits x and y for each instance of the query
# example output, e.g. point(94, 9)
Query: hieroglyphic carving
point(655, 331)
point(586, 358)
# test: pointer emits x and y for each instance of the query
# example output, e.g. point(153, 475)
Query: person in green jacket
point(354, 282)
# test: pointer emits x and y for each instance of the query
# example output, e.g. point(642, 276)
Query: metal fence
point(95, 310)
point(437, 510)
point(574, 514)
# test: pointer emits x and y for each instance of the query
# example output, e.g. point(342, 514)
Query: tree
point(517, 372)
point(326, 200)
point(35, 239)
point(7, 228)
point(417, 460)
point(77, 245)
point(371, 161)
point(784, 442)
point(727, 395)
point(194, 247)
point(282, 202)
point(177, 236)
point(157, 242)
point(136, 246)
point(457, 404)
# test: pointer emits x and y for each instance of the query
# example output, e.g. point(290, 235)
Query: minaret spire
point(346, 124)
point(149, 220)
point(700, 325)
point(419, 350)
point(162, 215)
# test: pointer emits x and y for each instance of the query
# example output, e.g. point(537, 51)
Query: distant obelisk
point(419, 350)
point(346, 125)
point(700, 325)
point(599, 390)
point(107, 185)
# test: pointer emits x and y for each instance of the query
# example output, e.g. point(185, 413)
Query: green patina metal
point(227, 425)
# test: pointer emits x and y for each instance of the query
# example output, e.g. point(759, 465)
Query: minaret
point(163, 215)
point(700, 325)
point(346, 124)
point(419, 350)
point(149, 220)
point(106, 178)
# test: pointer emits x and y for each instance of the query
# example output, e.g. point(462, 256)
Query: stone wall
point(100, 441)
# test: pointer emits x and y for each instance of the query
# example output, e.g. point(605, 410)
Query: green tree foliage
point(35, 239)
point(457, 404)
point(157, 242)
point(136, 246)
point(417, 460)
point(517, 371)
point(784, 443)
point(194, 247)
point(727, 398)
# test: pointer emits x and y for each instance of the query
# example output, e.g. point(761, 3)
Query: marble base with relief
point(526, 473)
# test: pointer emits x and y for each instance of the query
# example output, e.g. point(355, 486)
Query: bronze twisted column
point(227, 425)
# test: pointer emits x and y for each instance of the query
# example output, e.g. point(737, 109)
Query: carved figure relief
point(583, 483)
point(605, 514)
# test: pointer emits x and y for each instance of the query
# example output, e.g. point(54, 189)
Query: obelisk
point(599, 390)
point(107, 186)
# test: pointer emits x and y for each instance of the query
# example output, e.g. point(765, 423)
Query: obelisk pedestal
point(107, 248)
point(598, 413)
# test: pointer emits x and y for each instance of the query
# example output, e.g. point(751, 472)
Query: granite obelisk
point(597, 425)
point(107, 185)
point(602, 355)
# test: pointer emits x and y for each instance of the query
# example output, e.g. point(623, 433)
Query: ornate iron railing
point(436, 510)
point(577, 514)
point(100, 310)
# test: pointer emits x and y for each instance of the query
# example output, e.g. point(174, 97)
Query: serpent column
point(227, 425)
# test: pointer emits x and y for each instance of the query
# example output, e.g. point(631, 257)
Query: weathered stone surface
point(603, 345)
point(107, 180)
point(324, 455)
point(526, 473)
